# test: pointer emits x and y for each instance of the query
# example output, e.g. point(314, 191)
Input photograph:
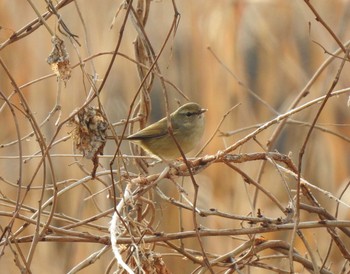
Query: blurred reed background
point(221, 49)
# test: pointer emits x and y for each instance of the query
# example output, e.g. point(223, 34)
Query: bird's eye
point(188, 114)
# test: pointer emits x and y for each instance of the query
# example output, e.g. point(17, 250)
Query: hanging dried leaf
point(59, 59)
point(89, 133)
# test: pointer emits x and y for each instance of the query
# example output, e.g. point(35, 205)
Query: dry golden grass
point(275, 83)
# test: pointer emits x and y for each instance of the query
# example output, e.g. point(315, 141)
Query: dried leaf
point(59, 59)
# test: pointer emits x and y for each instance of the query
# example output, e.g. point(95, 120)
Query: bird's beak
point(203, 110)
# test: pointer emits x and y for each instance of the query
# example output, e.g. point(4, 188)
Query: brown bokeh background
point(272, 47)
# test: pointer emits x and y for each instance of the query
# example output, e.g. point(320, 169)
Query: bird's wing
point(156, 130)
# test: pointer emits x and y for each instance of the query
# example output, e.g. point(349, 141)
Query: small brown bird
point(188, 127)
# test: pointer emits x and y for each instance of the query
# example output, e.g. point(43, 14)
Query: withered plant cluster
point(266, 192)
